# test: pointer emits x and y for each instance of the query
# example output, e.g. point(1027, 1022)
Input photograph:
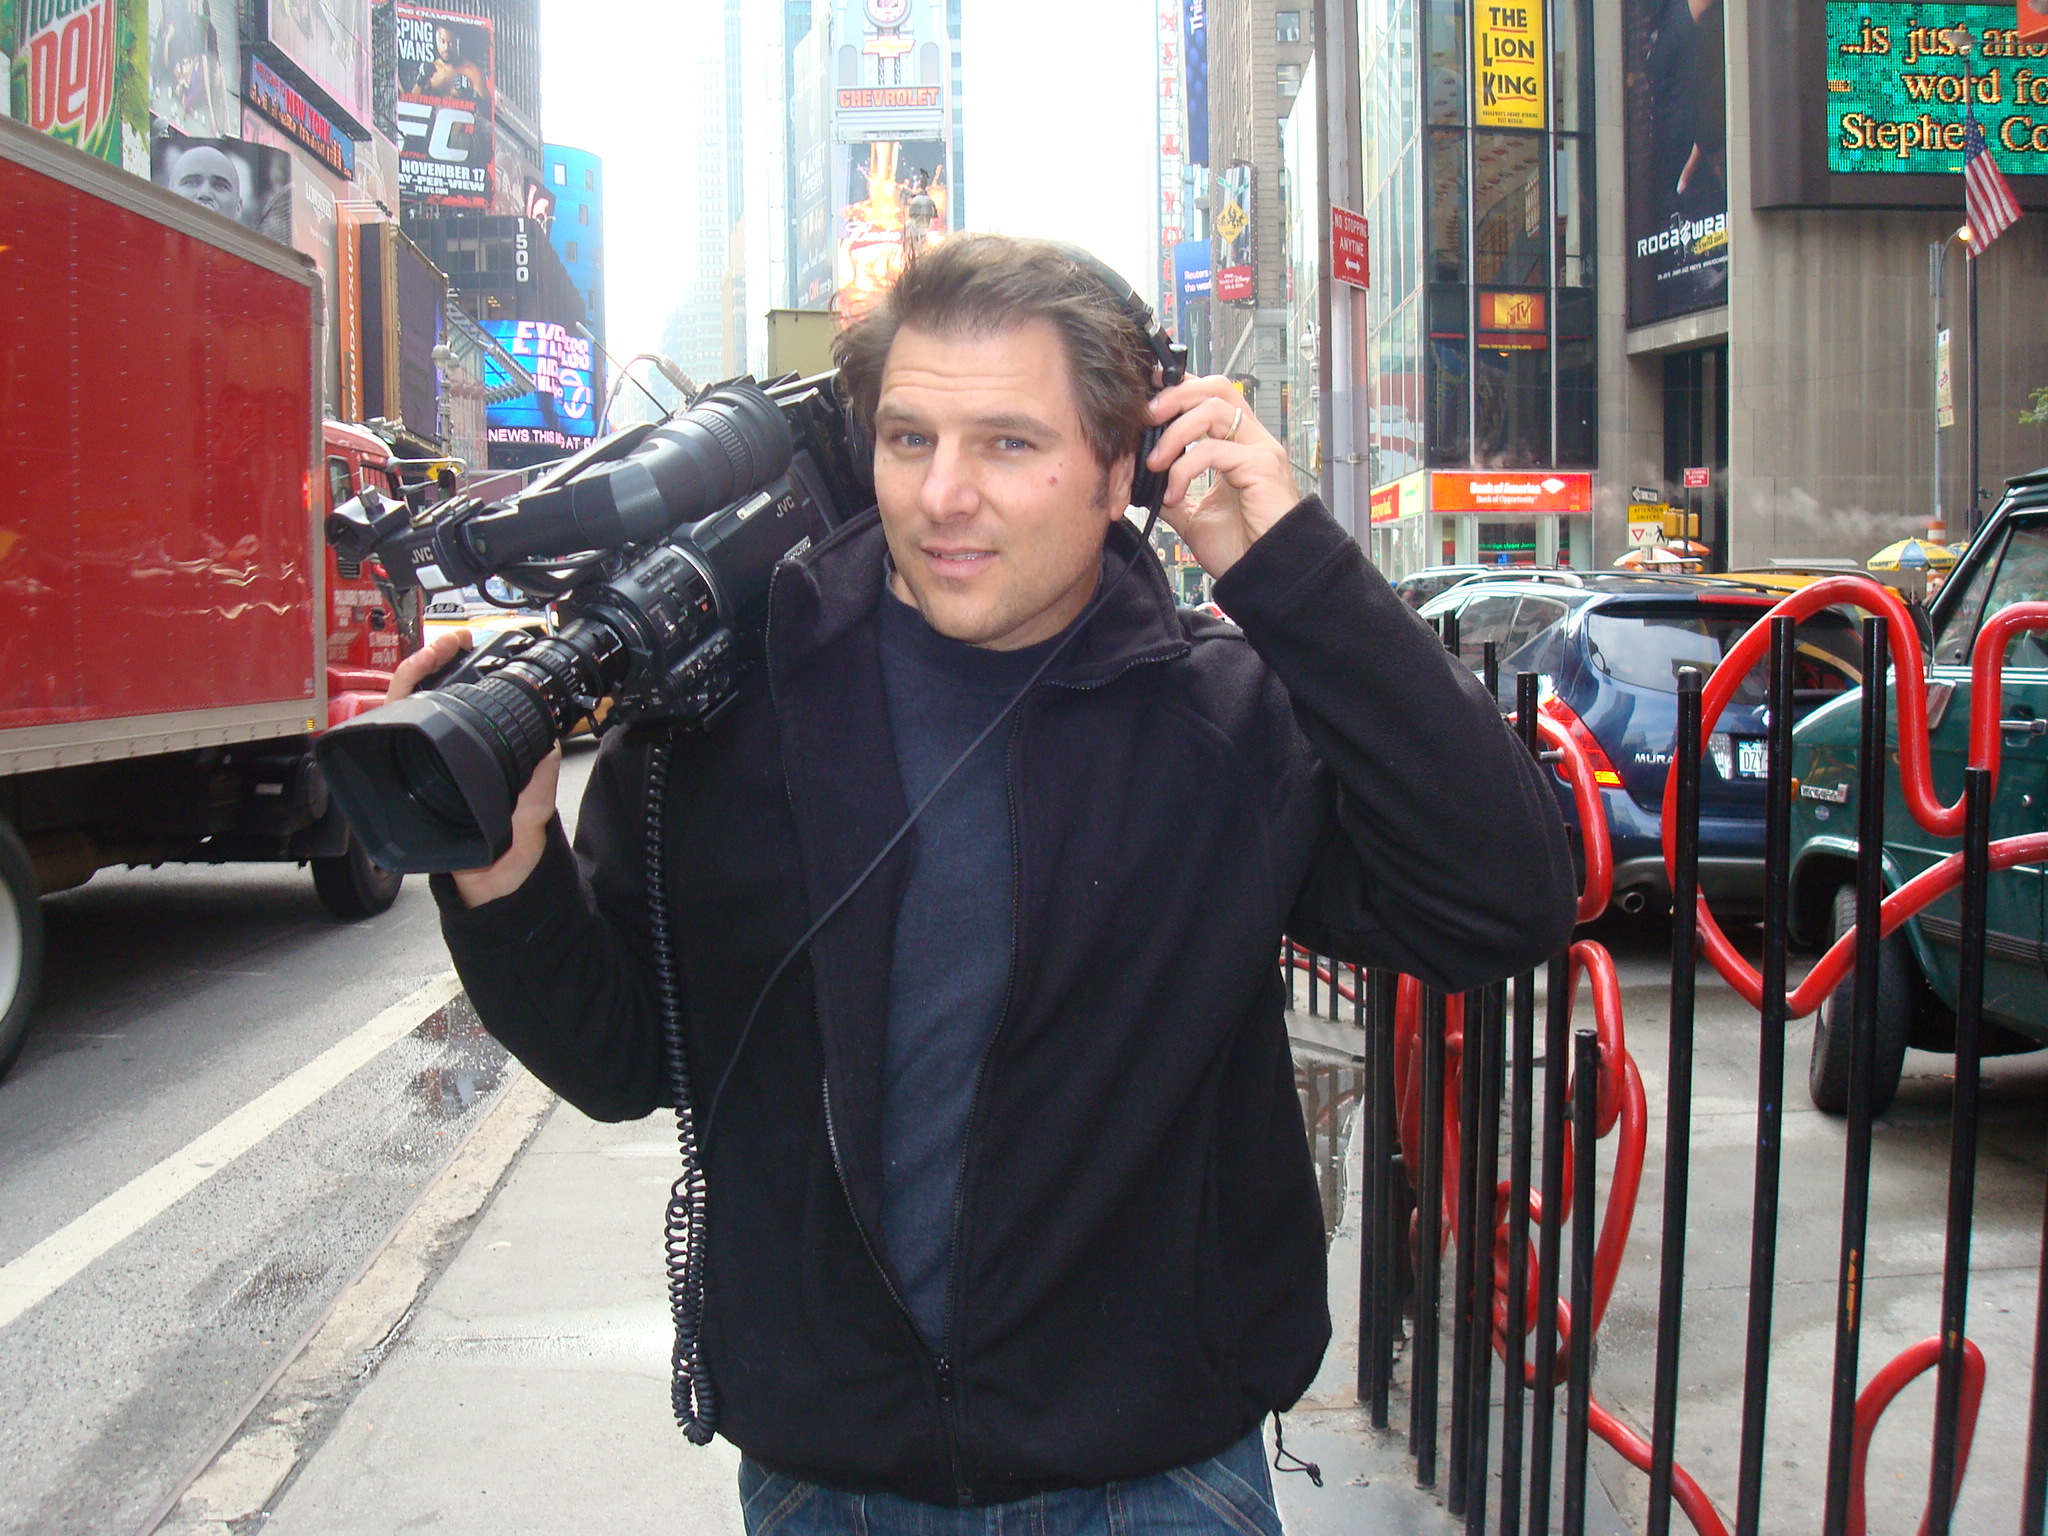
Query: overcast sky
point(1059, 132)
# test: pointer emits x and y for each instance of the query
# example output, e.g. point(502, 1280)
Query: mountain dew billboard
point(80, 73)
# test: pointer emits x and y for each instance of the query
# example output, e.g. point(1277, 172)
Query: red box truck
point(174, 630)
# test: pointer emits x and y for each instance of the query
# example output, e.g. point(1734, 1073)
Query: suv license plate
point(1753, 759)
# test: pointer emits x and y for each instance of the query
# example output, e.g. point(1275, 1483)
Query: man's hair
point(979, 285)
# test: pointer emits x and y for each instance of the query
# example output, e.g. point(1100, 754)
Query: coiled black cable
point(691, 1391)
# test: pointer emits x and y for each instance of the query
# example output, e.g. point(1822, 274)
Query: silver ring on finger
point(1235, 422)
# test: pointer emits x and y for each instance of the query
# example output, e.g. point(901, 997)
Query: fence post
point(1379, 1245)
point(1585, 1222)
point(1550, 1237)
point(1482, 1149)
point(1770, 1091)
point(1464, 1282)
point(1521, 1133)
point(1862, 1049)
point(1962, 1158)
point(1429, 1265)
point(1685, 893)
point(2034, 1514)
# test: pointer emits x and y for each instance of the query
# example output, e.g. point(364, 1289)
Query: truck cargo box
point(160, 570)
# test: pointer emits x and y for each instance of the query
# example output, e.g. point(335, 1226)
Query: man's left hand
point(1212, 429)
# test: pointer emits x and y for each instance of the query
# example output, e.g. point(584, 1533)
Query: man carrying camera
point(1011, 1203)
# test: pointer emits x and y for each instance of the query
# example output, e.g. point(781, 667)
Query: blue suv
point(1610, 650)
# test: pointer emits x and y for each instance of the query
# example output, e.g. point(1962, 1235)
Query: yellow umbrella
point(1912, 555)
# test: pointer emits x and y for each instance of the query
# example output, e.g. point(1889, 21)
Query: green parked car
point(2006, 564)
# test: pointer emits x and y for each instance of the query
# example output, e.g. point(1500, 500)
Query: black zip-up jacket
point(1138, 1271)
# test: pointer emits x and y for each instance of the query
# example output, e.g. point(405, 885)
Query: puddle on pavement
point(1329, 1088)
point(449, 1093)
point(457, 1021)
point(468, 1069)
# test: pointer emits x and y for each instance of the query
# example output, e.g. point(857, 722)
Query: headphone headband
point(1171, 357)
point(1148, 486)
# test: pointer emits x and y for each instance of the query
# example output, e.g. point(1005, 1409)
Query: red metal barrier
point(1877, 1397)
point(1916, 776)
point(1923, 803)
point(1507, 1297)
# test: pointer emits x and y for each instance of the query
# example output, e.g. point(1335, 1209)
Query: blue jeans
point(1227, 1495)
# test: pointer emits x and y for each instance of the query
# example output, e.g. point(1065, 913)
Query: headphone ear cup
point(1148, 486)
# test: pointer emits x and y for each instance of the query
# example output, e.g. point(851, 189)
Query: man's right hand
point(536, 804)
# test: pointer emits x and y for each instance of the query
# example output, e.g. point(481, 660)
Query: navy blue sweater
point(949, 973)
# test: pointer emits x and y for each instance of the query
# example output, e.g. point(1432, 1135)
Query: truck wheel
point(1827, 1075)
point(352, 886)
point(21, 945)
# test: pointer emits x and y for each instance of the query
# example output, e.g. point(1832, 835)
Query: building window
point(561, 174)
point(590, 179)
point(1287, 26)
point(583, 214)
point(1290, 81)
point(570, 252)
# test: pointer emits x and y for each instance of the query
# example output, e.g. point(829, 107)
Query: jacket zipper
point(1129, 666)
point(942, 1368)
point(974, 1104)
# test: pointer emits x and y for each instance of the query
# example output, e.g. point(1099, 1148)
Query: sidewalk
point(527, 1390)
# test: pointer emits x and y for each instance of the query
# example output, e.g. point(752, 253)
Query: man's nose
point(951, 488)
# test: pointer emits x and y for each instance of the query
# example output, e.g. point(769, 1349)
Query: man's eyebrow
point(1017, 421)
point(995, 421)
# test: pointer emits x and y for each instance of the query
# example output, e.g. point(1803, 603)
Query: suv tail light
point(1604, 773)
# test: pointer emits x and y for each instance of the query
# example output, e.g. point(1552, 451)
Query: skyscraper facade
point(575, 181)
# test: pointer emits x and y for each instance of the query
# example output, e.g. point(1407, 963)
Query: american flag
point(1992, 208)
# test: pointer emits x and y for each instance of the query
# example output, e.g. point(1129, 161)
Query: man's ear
point(1122, 475)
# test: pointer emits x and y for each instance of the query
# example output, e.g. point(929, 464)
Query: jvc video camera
point(656, 545)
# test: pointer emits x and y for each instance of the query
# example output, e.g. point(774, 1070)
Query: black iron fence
point(1504, 1207)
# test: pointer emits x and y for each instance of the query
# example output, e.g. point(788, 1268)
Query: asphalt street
point(221, 1114)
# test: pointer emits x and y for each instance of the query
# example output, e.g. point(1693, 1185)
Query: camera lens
point(424, 773)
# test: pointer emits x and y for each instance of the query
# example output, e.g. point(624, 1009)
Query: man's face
point(444, 44)
point(992, 501)
point(207, 177)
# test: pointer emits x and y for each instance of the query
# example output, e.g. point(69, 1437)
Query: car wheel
point(1827, 1075)
point(21, 945)
point(353, 886)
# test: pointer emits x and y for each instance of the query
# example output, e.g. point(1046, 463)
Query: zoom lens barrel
point(429, 783)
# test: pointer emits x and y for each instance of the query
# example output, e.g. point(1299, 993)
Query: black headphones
point(1148, 486)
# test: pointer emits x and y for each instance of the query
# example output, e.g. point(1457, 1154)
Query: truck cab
point(369, 627)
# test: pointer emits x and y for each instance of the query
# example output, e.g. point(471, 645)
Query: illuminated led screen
point(1898, 85)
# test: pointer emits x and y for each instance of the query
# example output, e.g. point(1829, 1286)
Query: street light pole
point(1965, 43)
point(1976, 441)
point(1937, 277)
